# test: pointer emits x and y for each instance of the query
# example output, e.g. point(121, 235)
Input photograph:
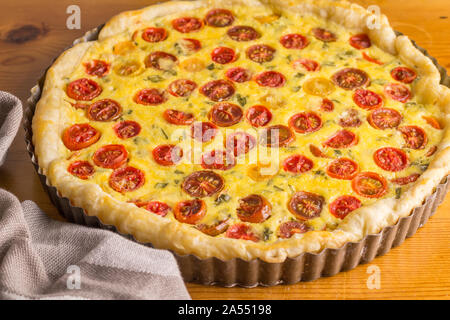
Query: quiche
point(245, 129)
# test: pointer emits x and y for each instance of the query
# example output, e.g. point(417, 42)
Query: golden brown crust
point(182, 238)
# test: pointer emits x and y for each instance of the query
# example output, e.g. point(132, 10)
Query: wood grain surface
point(33, 32)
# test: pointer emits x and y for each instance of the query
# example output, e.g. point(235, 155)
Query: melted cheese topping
point(164, 183)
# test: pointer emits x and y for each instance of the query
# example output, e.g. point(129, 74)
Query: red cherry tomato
point(190, 211)
point(202, 184)
point(288, 229)
point(306, 205)
point(218, 90)
point(260, 53)
point(316, 152)
point(203, 131)
point(241, 231)
point(178, 117)
point(189, 46)
point(351, 78)
point(81, 169)
point(160, 60)
point(342, 168)
point(343, 205)
point(182, 87)
point(327, 105)
point(305, 122)
point(350, 119)
point(391, 159)
point(258, 116)
point(398, 92)
point(127, 129)
point(238, 74)
point(223, 55)
point(406, 180)
point(431, 151)
point(254, 209)
point(403, 74)
point(370, 59)
point(414, 136)
point(271, 79)
point(218, 160)
point(104, 110)
point(384, 118)
point(154, 34)
point(157, 207)
point(324, 35)
point(225, 114)
point(277, 136)
point(83, 89)
point(306, 64)
point(294, 41)
point(432, 121)
point(167, 154)
point(369, 185)
point(80, 136)
point(219, 18)
point(341, 139)
point(98, 68)
point(360, 41)
point(215, 229)
point(111, 156)
point(240, 143)
point(367, 99)
point(297, 164)
point(243, 33)
point(126, 179)
point(150, 97)
point(187, 24)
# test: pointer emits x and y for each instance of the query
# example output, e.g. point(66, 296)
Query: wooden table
point(418, 269)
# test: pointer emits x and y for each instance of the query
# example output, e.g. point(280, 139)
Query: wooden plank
point(418, 269)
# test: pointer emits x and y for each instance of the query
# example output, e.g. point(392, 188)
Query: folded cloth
point(41, 258)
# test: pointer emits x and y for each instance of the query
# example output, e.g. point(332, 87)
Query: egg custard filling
point(227, 129)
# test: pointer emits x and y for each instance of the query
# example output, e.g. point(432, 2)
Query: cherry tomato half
point(306, 205)
point(178, 117)
point(288, 229)
point(83, 89)
point(203, 184)
point(360, 41)
point(343, 205)
point(225, 114)
point(80, 136)
point(219, 18)
point(384, 118)
point(111, 156)
point(258, 116)
point(403, 74)
point(414, 136)
point(126, 179)
point(367, 99)
point(190, 211)
point(127, 129)
point(297, 164)
point(391, 159)
point(343, 168)
point(81, 169)
point(104, 110)
point(305, 122)
point(254, 208)
point(369, 185)
point(243, 33)
point(341, 139)
point(167, 154)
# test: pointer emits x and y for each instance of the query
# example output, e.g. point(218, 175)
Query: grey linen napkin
point(41, 258)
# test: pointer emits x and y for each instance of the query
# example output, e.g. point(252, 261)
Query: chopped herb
point(130, 111)
point(291, 188)
point(241, 100)
point(278, 188)
point(178, 172)
point(299, 75)
point(319, 173)
point(270, 67)
point(329, 64)
point(334, 100)
point(155, 78)
point(267, 234)
point(210, 66)
point(171, 72)
point(424, 166)
point(338, 152)
point(296, 89)
point(325, 45)
point(164, 133)
point(161, 185)
point(398, 192)
point(380, 82)
point(289, 58)
point(222, 198)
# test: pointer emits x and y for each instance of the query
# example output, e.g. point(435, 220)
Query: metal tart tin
point(239, 272)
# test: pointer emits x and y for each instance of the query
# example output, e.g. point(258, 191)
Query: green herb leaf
point(210, 66)
point(398, 193)
point(161, 185)
point(155, 78)
point(267, 234)
point(241, 100)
